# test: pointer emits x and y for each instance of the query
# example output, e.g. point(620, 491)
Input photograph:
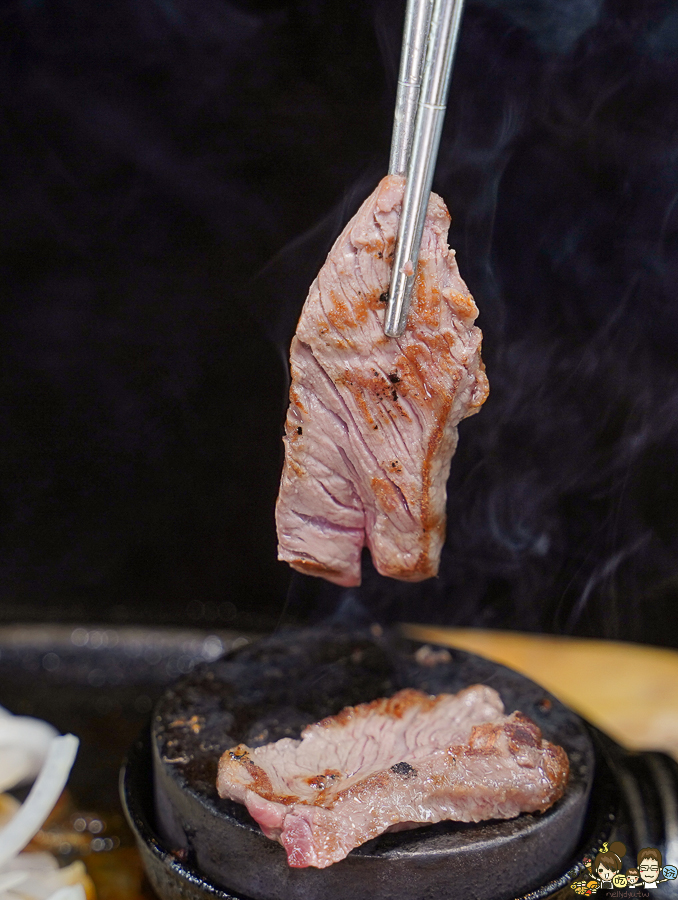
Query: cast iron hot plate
point(273, 689)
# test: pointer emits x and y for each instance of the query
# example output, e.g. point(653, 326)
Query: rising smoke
point(175, 173)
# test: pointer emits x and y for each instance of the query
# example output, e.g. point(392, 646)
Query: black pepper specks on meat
point(394, 378)
point(404, 769)
point(394, 394)
point(300, 430)
point(384, 297)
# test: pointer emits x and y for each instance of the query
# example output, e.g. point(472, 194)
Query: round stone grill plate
point(272, 689)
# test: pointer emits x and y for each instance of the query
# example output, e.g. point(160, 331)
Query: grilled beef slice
point(411, 759)
point(372, 421)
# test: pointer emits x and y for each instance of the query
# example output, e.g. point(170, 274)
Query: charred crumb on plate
point(429, 656)
point(195, 723)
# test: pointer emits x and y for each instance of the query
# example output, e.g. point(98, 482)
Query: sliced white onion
point(42, 885)
point(24, 743)
point(9, 880)
point(42, 797)
point(72, 892)
point(38, 862)
point(15, 767)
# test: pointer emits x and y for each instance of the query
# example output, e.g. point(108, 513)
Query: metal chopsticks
point(443, 31)
point(415, 37)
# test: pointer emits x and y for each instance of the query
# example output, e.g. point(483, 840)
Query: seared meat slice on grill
point(372, 421)
point(408, 759)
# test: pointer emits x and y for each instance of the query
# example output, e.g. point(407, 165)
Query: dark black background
point(173, 173)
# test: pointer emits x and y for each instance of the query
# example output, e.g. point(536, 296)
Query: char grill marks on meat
point(411, 759)
point(372, 422)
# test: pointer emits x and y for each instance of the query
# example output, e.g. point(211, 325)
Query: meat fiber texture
point(393, 763)
point(372, 421)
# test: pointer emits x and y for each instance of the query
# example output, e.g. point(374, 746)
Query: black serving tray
point(99, 683)
point(633, 800)
point(272, 688)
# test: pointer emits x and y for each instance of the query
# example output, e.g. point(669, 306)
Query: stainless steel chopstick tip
point(442, 41)
point(412, 55)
